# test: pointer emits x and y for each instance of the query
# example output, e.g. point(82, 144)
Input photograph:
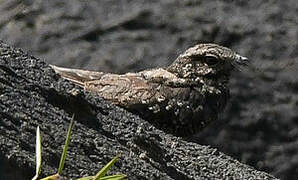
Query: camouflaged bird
point(180, 99)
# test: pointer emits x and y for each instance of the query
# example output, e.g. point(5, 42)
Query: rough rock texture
point(32, 94)
point(260, 126)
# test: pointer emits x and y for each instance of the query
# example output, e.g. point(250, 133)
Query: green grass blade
point(114, 177)
point(63, 156)
point(105, 169)
point(37, 153)
point(52, 177)
point(86, 178)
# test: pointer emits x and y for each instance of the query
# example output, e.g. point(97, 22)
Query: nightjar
point(180, 99)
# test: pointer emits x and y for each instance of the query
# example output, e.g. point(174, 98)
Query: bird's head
point(206, 60)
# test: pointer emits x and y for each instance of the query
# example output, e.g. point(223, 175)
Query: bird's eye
point(211, 60)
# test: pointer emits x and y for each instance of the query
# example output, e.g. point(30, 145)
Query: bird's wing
point(125, 90)
point(166, 78)
point(76, 75)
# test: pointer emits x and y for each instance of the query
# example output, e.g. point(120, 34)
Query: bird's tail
point(77, 76)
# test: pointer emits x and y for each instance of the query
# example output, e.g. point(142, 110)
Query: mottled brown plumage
point(180, 99)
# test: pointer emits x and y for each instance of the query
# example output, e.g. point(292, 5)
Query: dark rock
point(32, 95)
point(259, 126)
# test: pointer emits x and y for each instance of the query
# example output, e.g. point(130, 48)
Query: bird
point(180, 99)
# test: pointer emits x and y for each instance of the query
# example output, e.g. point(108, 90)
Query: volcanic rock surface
point(32, 95)
point(260, 124)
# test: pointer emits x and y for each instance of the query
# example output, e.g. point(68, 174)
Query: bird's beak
point(240, 61)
